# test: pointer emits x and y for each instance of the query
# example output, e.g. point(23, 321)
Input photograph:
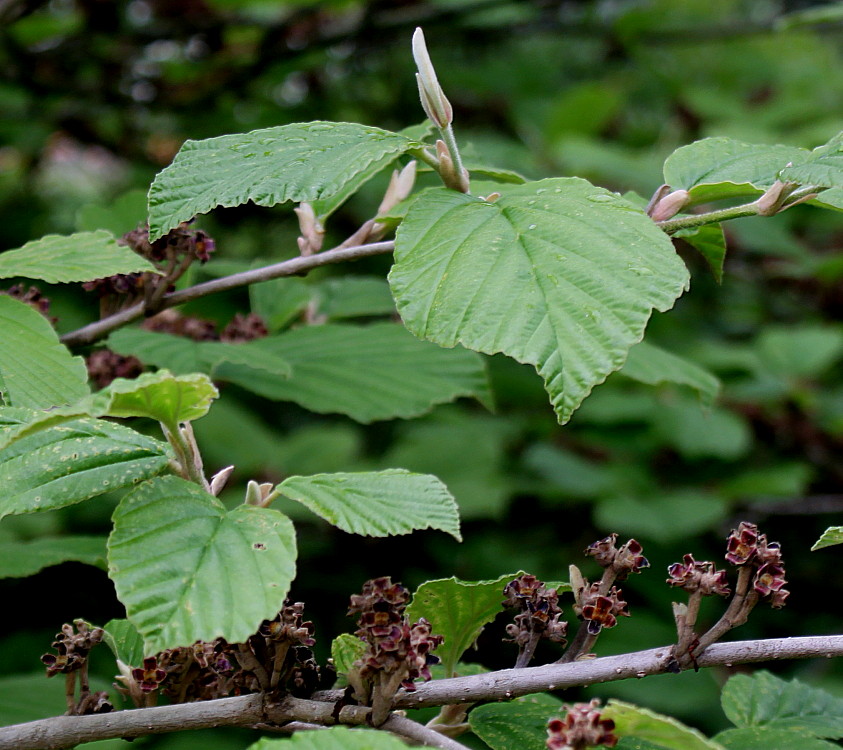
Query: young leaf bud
point(433, 100)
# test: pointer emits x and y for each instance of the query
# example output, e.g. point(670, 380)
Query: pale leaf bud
point(400, 185)
point(771, 202)
point(670, 205)
point(219, 479)
point(433, 100)
point(312, 232)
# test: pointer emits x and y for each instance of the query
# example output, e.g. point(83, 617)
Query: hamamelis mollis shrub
point(558, 274)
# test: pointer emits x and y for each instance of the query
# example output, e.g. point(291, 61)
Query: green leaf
point(279, 301)
point(696, 433)
point(521, 724)
point(479, 480)
point(21, 559)
point(667, 516)
point(83, 256)
point(664, 731)
point(333, 738)
point(355, 296)
point(763, 738)
point(558, 274)
point(74, 461)
point(367, 372)
point(124, 641)
point(345, 650)
point(799, 351)
point(186, 569)
point(762, 699)
point(377, 503)
point(298, 162)
point(653, 365)
point(324, 207)
point(831, 536)
point(459, 610)
point(29, 697)
point(716, 168)
point(35, 369)
point(183, 356)
point(710, 241)
point(496, 174)
point(160, 395)
point(822, 168)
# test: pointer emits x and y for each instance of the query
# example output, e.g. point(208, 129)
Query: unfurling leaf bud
point(433, 100)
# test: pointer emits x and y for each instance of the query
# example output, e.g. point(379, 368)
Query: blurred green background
point(96, 97)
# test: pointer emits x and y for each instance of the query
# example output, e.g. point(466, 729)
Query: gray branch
point(295, 266)
point(254, 710)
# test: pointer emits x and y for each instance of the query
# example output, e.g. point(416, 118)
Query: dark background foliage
point(97, 96)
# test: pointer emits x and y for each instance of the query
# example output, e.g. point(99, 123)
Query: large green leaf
point(183, 356)
point(558, 274)
point(653, 365)
point(36, 371)
point(663, 731)
point(716, 168)
point(186, 569)
point(459, 610)
point(21, 559)
point(77, 257)
point(333, 738)
point(377, 503)
point(367, 372)
point(767, 738)
point(298, 162)
point(762, 699)
point(521, 724)
point(831, 536)
point(72, 462)
point(822, 168)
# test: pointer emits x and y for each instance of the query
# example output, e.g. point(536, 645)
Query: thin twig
point(251, 710)
point(295, 266)
point(420, 733)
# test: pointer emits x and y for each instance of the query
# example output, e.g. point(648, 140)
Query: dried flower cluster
point(394, 645)
point(71, 659)
point(538, 618)
point(747, 547)
point(104, 366)
point(171, 254)
point(397, 652)
point(760, 577)
point(276, 658)
point(581, 728)
point(600, 610)
point(72, 647)
point(623, 560)
point(691, 575)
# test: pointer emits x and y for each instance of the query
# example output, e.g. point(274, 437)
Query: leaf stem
point(712, 217)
